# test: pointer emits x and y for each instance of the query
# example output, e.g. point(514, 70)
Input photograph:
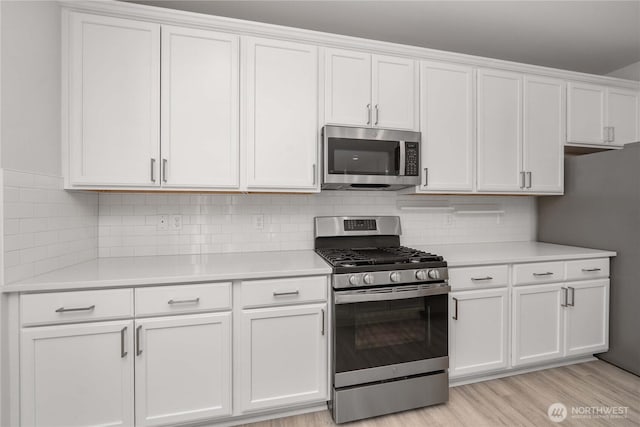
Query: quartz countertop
point(156, 270)
point(174, 269)
point(467, 254)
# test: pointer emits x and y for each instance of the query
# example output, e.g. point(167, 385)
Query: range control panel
point(411, 159)
point(360, 225)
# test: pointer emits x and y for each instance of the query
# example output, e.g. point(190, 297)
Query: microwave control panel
point(411, 159)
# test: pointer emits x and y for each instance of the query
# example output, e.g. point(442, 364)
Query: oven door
point(388, 333)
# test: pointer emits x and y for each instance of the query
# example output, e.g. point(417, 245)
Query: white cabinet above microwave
point(370, 90)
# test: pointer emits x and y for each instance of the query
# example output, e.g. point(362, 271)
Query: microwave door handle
point(401, 167)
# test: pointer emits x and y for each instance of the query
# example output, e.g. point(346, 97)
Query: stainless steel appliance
point(601, 209)
point(390, 319)
point(370, 159)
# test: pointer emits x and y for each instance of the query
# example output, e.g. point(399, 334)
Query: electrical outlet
point(258, 222)
point(163, 223)
point(176, 222)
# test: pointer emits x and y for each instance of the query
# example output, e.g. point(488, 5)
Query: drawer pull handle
point(590, 270)
point(64, 310)
point(282, 294)
point(548, 273)
point(478, 279)
point(184, 301)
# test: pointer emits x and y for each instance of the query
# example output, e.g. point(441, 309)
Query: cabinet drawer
point(585, 269)
point(538, 272)
point(478, 277)
point(80, 306)
point(257, 293)
point(183, 299)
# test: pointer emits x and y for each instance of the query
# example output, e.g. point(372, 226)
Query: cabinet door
point(347, 96)
point(446, 122)
point(623, 108)
point(199, 108)
point(587, 317)
point(77, 375)
point(585, 113)
point(478, 329)
point(499, 131)
point(538, 332)
point(114, 101)
point(395, 92)
point(183, 368)
point(280, 110)
point(543, 141)
point(283, 356)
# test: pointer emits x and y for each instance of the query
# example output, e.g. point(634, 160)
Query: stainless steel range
point(390, 318)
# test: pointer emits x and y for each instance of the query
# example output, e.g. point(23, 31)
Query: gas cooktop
point(347, 260)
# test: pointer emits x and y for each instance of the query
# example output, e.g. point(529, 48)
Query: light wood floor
point(520, 400)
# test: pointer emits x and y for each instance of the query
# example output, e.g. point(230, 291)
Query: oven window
point(379, 333)
point(363, 157)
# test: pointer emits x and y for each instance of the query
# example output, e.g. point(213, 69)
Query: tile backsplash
point(46, 227)
point(129, 224)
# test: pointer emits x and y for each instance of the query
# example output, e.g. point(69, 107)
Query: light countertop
point(155, 270)
point(158, 270)
point(467, 254)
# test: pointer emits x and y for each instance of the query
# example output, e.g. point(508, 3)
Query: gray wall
point(31, 86)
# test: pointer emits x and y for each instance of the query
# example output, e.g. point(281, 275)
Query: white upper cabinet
point(113, 101)
point(280, 115)
point(543, 142)
point(200, 105)
point(623, 114)
point(499, 116)
point(586, 118)
point(347, 87)
point(602, 115)
point(370, 90)
point(447, 125)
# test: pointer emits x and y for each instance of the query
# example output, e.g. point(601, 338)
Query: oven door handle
point(348, 297)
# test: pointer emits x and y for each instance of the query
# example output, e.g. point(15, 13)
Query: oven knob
point(354, 280)
point(421, 275)
point(395, 276)
point(434, 274)
point(367, 278)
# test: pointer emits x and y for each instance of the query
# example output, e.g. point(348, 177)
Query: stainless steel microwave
point(369, 159)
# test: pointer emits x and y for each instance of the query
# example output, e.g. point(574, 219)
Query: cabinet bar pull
point(314, 174)
point(138, 346)
point(589, 270)
point(368, 114)
point(455, 315)
point(613, 134)
point(529, 178)
point(164, 170)
point(153, 170)
point(123, 351)
point(64, 310)
point(573, 297)
point(478, 279)
point(564, 297)
point(522, 179)
point(184, 301)
point(426, 176)
point(548, 273)
point(282, 294)
point(322, 330)
point(377, 114)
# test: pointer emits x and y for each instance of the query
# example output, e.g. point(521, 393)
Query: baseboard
point(454, 382)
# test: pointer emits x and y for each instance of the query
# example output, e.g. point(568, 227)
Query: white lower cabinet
point(587, 317)
point(283, 356)
point(560, 320)
point(77, 375)
point(478, 331)
point(183, 368)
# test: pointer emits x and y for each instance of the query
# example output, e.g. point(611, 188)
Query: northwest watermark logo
point(557, 412)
